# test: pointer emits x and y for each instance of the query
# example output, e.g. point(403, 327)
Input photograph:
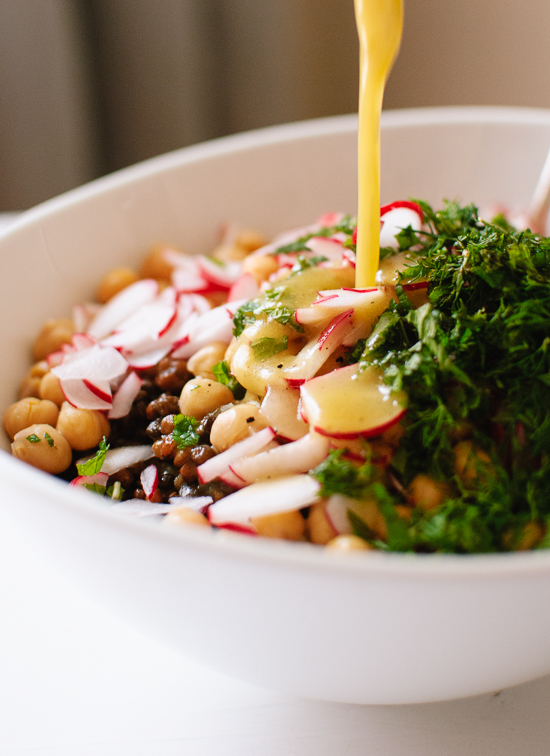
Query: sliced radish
point(124, 396)
point(280, 408)
point(220, 274)
point(346, 403)
point(99, 478)
point(246, 287)
point(200, 330)
point(417, 293)
point(297, 457)
point(368, 304)
point(121, 306)
point(121, 458)
point(149, 479)
point(315, 353)
point(395, 217)
point(78, 393)
point(219, 465)
point(266, 498)
point(84, 314)
point(95, 364)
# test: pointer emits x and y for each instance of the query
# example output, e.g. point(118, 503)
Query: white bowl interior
point(272, 180)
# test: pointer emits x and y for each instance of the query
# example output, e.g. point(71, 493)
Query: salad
point(258, 390)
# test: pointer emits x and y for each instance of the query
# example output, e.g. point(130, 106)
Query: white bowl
point(370, 628)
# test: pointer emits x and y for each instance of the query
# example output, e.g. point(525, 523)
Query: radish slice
point(347, 404)
point(124, 396)
point(395, 217)
point(280, 408)
point(246, 287)
point(84, 314)
point(261, 499)
point(200, 330)
point(149, 479)
point(220, 274)
point(78, 392)
point(99, 478)
point(219, 465)
point(96, 364)
point(315, 353)
point(121, 458)
point(121, 306)
point(336, 510)
point(297, 457)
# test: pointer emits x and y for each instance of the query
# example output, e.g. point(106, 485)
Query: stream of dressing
point(379, 26)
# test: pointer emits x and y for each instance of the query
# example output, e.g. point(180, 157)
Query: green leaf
point(267, 347)
point(94, 465)
point(184, 431)
point(49, 440)
point(33, 438)
point(223, 375)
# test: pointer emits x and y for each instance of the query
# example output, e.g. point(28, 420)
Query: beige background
point(88, 86)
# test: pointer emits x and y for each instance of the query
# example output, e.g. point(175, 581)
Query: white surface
point(76, 682)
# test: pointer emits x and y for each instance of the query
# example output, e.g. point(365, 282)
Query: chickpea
point(260, 266)
point(185, 516)
point(54, 333)
point(83, 428)
point(29, 411)
point(31, 382)
point(287, 525)
point(236, 424)
point(201, 396)
point(347, 543)
point(319, 528)
point(229, 252)
point(202, 362)
point(250, 240)
point(472, 464)
point(427, 493)
point(113, 282)
point(50, 388)
point(155, 265)
point(44, 447)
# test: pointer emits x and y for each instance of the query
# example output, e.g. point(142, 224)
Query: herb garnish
point(223, 375)
point(33, 438)
point(268, 347)
point(93, 465)
point(267, 306)
point(475, 356)
point(184, 431)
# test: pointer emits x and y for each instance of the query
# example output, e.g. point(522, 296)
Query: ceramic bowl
point(364, 628)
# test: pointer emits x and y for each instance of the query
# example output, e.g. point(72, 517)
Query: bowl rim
point(235, 545)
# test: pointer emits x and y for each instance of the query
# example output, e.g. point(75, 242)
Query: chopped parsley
point(33, 438)
point(93, 465)
point(184, 433)
point(267, 347)
point(223, 375)
point(266, 306)
point(475, 356)
point(49, 440)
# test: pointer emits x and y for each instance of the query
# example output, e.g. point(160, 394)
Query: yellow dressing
point(379, 25)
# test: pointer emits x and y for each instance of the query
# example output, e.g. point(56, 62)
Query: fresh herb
point(346, 226)
point(33, 438)
point(268, 307)
point(93, 466)
point(223, 375)
point(337, 475)
point(184, 431)
point(474, 359)
point(95, 488)
point(49, 440)
point(303, 263)
point(268, 347)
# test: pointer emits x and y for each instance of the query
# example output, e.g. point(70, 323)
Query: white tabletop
point(76, 681)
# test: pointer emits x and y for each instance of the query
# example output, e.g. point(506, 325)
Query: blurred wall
point(88, 86)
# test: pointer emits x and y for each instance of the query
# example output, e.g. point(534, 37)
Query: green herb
point(267, 347)
point(94, 465)
point(476, 355)
point(184, 431)
point(95, 488)
point(345, 226)
point(115, 492)
point(337, 475)
point(303, 263)
point(268, 307)
point(33, 438)
point(50, 440)
point(223, 375)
